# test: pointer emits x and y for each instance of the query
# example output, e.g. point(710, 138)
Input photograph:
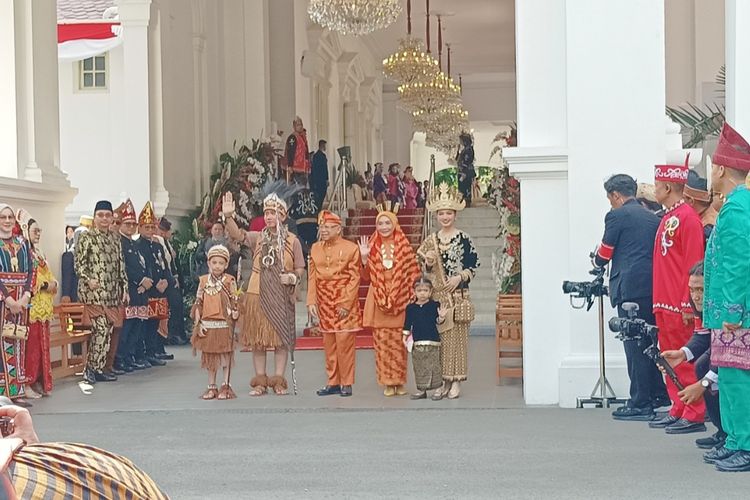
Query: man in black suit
point(319, 176)
point(628, 242)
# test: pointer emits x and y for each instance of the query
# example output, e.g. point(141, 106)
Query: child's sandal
point(211, 393)
point(226, 392)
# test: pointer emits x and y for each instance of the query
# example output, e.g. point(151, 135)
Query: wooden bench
point(509, 336)
point(66, 329)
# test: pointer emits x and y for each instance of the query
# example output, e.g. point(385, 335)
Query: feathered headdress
point(278, 194)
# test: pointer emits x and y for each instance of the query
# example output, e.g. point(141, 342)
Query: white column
point(605, 100)
point(159, 194)
point(738, 65)
point(8, 133)
point(201, 156)
point(540, 163)
point(135, 135)
point(29, 120)
point(257, 64)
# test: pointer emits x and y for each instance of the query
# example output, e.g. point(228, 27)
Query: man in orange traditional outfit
point(333, 301)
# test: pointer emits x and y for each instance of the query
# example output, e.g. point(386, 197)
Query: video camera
point(586, 290)
point(632, 328)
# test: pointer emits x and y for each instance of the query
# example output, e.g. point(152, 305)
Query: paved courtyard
point(486, 444)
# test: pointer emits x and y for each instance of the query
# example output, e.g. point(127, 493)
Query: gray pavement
point(486, 444)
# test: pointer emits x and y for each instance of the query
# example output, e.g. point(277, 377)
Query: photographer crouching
point(628, 242)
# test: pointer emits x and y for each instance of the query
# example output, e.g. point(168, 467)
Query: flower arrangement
point(244, 171)
point(504, 193)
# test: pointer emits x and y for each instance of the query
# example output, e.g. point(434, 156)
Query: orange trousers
point(340, 357)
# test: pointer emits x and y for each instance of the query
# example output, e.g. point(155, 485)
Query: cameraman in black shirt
point(628, 242)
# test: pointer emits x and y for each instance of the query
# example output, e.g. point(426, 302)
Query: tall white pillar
point(600, 112)
point(135, 131)
point(540, 164)
point(8, 132)
point(738, 65)
point(29, 118)
point(159, 194)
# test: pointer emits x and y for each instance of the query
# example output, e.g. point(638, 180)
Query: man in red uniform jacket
point(678, 246)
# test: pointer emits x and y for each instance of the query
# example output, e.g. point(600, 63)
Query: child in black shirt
point(422, 318)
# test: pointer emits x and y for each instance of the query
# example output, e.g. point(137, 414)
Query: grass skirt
point(217, 347)
point(256, 332)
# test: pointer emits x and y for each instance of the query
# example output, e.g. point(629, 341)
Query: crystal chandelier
point(429, 96)
point(451, 117)
point(354, 17)
point(410, 63)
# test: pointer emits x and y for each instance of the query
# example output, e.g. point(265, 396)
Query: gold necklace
point(388, 258)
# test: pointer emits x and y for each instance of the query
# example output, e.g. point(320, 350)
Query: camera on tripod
point(586, 290)
point(632, 328)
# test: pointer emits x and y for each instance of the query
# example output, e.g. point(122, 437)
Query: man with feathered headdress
point(267, 312)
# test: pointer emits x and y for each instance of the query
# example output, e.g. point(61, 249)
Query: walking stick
point(282, 247)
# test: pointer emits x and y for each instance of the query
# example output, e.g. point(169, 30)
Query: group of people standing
point(397, 187)
point(444, 264)
point(27, 288)
point(690, 273)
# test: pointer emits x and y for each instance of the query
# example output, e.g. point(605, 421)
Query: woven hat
point(218, 251)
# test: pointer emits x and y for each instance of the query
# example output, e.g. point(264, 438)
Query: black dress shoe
point(22, 403)
point(156, 361)
point(128, 368)
point(164, 356)
point(88, 376)
point(685, 426)
point(346, 391)
point(117, 371)
point(105, 377)
point(711, 441)
point(329, 390)
point(177, 340)
point(662, 402)
point(140, 364)
point(739, 462)
point(717, 455)
point(633, 414)
point(663, 422)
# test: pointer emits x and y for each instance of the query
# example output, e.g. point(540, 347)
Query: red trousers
point(674, 334)
point(38, 364)
point(340, 356)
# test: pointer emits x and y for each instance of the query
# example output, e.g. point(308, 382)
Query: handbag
point(464, 310)
point(15, 331)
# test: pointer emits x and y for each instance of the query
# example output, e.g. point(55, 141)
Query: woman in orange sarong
point(391, 267)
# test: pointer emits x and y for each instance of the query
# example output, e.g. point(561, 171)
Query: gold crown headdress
point(388, 206)
point(445, 197)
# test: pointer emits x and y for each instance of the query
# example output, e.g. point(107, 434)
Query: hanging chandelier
point(429, 96)
point(354, 17)
point(410, 63)
point(451, 117)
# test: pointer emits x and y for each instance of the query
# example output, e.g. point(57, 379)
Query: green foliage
point(701, 123)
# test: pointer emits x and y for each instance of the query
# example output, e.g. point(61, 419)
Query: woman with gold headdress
point(38, 365)
point(268, 317)
point(16, 282)
point(391, 267)
point(450, 261)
